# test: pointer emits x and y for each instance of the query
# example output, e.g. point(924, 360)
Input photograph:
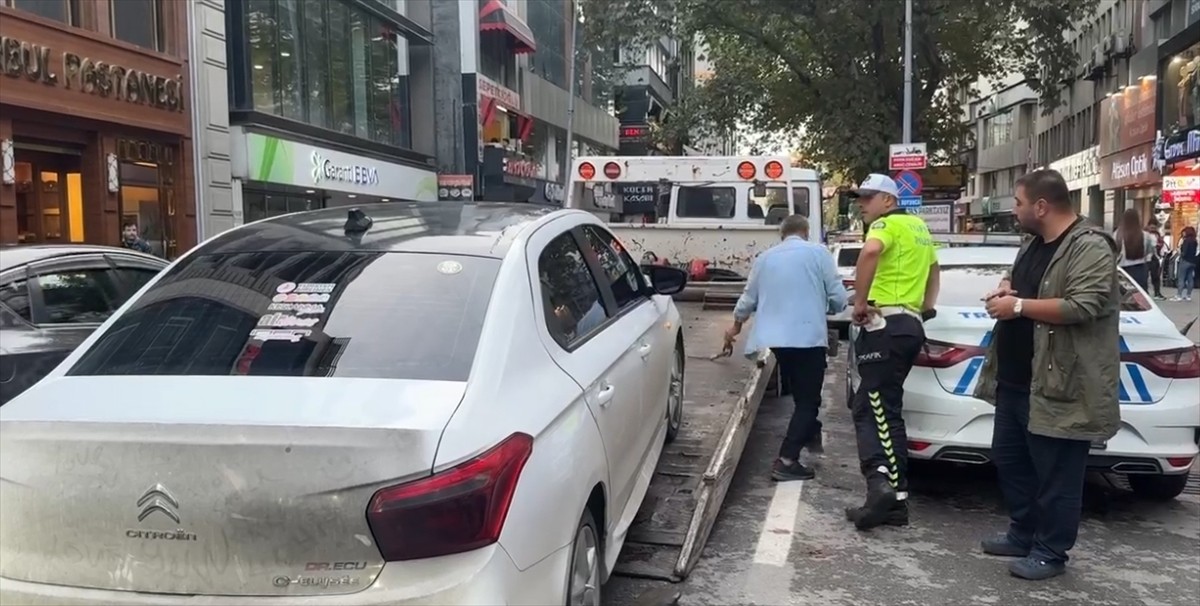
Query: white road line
point(775, 538)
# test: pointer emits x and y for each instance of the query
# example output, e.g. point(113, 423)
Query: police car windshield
point(964, 285)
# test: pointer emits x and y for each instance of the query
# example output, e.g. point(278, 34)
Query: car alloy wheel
point(584, 589)
point(675, 396)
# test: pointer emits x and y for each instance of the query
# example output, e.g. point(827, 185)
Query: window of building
point(998, 129)
point(331, 64)
point(138, 22)
point(706, 202)
point(262, 205)
point(548, 19)
point(66, 11)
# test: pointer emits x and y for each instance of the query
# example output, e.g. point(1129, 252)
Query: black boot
point(898, 516)
point(881, 499)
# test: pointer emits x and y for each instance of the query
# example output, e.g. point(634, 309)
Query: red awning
point(496, 16)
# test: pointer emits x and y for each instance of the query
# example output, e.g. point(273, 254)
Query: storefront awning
point(496, 16)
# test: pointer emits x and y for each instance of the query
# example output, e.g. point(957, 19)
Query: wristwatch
point(1017, 306)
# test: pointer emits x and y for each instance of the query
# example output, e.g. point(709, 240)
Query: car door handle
point(605, 396)
point(644, 350)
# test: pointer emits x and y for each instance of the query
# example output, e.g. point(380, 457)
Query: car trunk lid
point(209, 485)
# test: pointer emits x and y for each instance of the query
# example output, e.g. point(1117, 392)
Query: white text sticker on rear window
point(305, 288)
point(278, 320)
point(267, 334)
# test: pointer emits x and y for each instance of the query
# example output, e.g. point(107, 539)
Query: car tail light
point(915, 446)
point(1179, 461)
point(612, 170)
point(457, 510)
point(937, 354)
point(1182, 363)
point(746, 170)
point(587, 171)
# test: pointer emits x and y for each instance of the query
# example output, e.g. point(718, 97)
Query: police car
point(1156, 444)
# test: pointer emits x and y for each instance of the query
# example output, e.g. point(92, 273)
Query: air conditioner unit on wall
point(1098, 55)
point(1123, 44)
point(1106, 46)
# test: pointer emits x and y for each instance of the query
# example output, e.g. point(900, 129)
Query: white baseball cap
point(876, 183)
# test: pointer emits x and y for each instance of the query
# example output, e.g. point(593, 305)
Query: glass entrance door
point(49, 197)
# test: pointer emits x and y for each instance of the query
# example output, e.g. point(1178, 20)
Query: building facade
point(1000, 145)
point(95, 125)
point(1177, 149)
point(312, 104)
point(651, 80)
point(514, 66)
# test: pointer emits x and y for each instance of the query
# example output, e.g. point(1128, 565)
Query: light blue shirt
point(792, 287)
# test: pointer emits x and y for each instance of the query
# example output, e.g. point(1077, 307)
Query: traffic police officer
point(896, 285)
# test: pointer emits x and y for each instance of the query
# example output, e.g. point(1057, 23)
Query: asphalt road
point(788, 543)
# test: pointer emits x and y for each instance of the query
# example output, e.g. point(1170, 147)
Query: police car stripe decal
point(1135, 376)
point(968, 377)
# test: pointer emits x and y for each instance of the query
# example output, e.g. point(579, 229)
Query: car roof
point(485, 229)
point(18, 255)
point(976, 255)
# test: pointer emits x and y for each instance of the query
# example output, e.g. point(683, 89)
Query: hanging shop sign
point(38, 63)
point(1181, 146)
point(1130, 168)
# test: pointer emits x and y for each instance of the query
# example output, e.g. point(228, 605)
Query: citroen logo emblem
point(158, 500)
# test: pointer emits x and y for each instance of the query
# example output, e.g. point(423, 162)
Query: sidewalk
point(1182, 312)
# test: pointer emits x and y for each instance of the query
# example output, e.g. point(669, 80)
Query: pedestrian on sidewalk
point(131, 239)
point(1156, 263)
point(792, 287)
point(1187, 264)
point(896, 280)
point(1051, 371)
point(1137, 248)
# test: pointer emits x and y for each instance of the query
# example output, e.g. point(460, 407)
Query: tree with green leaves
point(834, 69)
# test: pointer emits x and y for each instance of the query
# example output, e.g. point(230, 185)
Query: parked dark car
point(52, 297)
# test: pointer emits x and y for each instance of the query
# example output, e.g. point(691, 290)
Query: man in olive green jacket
point(1052, 372)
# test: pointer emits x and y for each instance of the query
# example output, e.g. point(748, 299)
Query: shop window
point(331, 64)
point(1181, 91)
point(147, 196)
point(66, 11)
point(138, 22)
point(262, 205)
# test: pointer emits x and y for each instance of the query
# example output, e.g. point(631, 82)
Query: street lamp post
point(908, 71)
point(571, 90)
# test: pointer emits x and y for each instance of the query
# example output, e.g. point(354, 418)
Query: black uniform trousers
point(884, 358)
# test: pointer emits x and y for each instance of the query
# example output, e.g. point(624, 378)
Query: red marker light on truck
point(587, 171)
point(773, 169)
point(746, 170)
point(612, 170)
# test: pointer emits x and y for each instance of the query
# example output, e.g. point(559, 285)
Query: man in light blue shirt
point(792, 286)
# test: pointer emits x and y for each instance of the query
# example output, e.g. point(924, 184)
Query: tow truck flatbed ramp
point(721, 402)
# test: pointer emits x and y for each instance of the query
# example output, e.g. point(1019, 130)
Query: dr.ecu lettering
point(19, 59)
point(325, 169)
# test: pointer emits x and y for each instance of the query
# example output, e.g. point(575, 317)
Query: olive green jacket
point(1076, 364)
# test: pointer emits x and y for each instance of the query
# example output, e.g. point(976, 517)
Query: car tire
point(584, 567)
point(1157, 488)
point(675, 395)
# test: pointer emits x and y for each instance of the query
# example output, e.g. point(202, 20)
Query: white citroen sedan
point(403, 404)
point(1157, 441)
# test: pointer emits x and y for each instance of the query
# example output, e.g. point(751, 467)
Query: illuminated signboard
point(635, 132)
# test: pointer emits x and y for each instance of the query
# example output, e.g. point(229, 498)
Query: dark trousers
point(1155, 267)
point(1041, 479)
point(803, 372)
point(884, 358)
point(1140, 274)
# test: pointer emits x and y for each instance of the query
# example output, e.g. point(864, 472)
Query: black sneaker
point(787, 472)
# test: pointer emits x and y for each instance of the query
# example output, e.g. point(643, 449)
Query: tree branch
point(768, 44)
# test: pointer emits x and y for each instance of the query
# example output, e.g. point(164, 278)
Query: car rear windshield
point(307, 314)
point(848, 257)
point(965, 285)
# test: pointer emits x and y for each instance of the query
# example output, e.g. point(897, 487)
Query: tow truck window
point(706, 203)
point(777, 196)
point(303, 314)
point(848, 256)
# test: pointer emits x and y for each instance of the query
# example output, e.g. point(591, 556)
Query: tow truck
point(714, 214)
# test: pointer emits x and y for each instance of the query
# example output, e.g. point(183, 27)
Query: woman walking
point(1137, 248)
point(1187, 264)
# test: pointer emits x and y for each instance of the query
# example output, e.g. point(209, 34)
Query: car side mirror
point(666, 280)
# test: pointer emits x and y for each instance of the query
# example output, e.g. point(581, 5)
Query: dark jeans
point(1140, 274)
point(1041, 478)
point(803, 371)
point(1155, 268)
point(884, 358)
